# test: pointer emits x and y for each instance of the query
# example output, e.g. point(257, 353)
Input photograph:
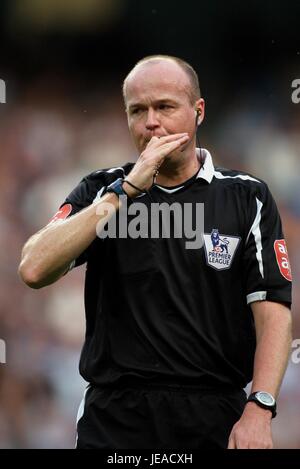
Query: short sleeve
point(267, 273)
point(89, 189)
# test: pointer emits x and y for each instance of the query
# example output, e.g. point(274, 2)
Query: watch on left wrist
point(117, 187)
point(265, 400)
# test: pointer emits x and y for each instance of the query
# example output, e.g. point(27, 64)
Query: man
point(173, 334)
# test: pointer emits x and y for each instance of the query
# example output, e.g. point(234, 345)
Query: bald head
point(166, 65)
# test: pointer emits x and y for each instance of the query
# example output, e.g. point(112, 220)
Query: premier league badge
point(220, 249)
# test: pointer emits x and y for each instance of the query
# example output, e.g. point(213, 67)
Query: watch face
point(265, 398)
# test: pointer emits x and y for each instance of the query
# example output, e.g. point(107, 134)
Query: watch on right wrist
point(265, 400)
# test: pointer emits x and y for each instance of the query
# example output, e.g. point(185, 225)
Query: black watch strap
point(265, 400)
point(117, 187)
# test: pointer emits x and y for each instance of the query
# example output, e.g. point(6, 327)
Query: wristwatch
point(117, 187)
point(264, 400)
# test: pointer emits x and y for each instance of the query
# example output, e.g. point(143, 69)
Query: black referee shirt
point(157, 312)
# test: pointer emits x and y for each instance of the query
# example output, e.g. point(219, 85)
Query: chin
point(177, 154)
point(172, 158)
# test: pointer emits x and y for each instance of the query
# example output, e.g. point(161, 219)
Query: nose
point(152, 121)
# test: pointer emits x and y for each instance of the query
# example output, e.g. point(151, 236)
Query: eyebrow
point(157, 102)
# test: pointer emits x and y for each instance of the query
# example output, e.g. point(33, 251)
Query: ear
point(198, 116)
point(200, 110)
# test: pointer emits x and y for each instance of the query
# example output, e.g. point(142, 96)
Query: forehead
point(155, 81)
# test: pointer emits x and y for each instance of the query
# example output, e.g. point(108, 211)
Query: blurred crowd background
point(63, 64)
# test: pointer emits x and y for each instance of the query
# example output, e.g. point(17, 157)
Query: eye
point(164, 106)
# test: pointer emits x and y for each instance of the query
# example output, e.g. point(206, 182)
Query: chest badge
point(220, 249)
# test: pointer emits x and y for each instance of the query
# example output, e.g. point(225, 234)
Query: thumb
point(231, 443)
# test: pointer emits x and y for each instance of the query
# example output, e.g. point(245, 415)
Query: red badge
point(62, 213)
point(283, 259)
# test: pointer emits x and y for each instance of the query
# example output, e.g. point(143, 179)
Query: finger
point(167, 148)
point(231, 444)
point(242, 444)
point(167, 138)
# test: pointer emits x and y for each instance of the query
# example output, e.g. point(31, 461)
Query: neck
point(173, 171)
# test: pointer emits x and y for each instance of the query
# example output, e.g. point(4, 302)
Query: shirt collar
point(205, 172)
point(207, 169)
